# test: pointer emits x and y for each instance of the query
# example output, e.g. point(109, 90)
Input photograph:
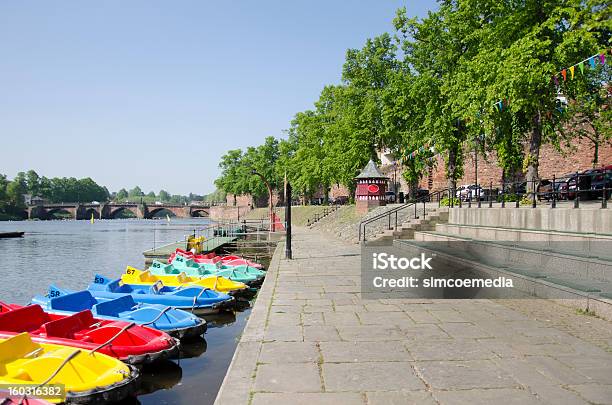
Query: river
point(68, 253)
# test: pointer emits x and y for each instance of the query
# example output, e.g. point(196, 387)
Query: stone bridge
point(110, 210)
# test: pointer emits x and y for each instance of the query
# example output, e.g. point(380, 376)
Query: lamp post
point(254, 172)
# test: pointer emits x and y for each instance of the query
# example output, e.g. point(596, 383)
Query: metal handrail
point(389, 213)
point(602, 188)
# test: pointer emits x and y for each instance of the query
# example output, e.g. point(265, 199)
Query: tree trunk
point(413, 187)
point(595, 141)
point(235, 202)
point(451, 169)
point(325, 195)
point(533, 157)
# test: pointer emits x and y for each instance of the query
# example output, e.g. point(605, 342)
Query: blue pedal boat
point(177, 323)
point(199, 300)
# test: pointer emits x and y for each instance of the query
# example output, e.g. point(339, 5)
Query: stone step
point(578, 244)
point(530, 257)
point(584, 294)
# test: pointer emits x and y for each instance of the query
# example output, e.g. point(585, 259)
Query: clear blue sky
point(152, 93)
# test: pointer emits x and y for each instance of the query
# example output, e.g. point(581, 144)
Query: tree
point(163, 195)
point(123, 194)
point(135, 192)
point(151, 194)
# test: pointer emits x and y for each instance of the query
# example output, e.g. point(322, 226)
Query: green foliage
point(446, 201)
point(438, 81)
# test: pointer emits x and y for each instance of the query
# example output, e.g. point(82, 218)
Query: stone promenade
point(311, 339)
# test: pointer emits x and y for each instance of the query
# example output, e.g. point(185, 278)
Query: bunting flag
point(592, 60)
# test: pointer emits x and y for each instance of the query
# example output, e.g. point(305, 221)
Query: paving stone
point(422, 317)
point(400, 398)
point(394, 376)
point(385, 318)
point(463, 330)
point(447, 316)
point(341, 318)
point(462, 349)
point(289, 377)
point(289, 352)
point(369, 333)
point(556, 395)
point(506, 396)
point(324, 333)
point(326, 398)
point(425, 331)
point(312, 318)
point(364, 351)
point(289, 333)
point(595, 393)
point(465, 374)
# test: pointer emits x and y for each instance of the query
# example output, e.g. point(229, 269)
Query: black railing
point(436, 196)
point(320, 215)
point(592, 184)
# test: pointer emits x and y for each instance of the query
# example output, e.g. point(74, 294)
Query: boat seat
point(74, 302)
point(17, 347)
point(68, 326)
point(116, 306)
point(23, 319)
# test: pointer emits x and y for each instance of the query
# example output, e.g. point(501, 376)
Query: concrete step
point(578, 244)
point(534, 256)
point(582, 220)
point(593, 295)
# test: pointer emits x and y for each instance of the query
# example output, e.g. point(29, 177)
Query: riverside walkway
point(311, 339)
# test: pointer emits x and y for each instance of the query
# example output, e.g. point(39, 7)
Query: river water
point(68, 253)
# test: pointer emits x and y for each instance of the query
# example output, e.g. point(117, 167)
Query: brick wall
point(577, 157)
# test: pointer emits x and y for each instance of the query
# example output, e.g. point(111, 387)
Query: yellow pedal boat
point(217, 283)
point(86, 376)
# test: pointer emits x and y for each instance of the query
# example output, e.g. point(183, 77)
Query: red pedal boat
point(212, 258)
point(130, 343)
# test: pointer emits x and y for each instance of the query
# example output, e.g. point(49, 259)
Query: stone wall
point(228, 212)
point(577, 157)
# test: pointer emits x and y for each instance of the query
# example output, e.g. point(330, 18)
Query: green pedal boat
point(242, 274)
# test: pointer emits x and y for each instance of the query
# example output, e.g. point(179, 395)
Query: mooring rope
point(126, 327)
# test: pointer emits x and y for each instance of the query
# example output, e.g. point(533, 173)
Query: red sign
point(373, 188)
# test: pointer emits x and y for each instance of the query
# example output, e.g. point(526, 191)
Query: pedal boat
point(199, 300)
point(133, 276)
point(125, 341)
point(175, 322)
point(212, 258)
point(235, 274)
point(87, 376)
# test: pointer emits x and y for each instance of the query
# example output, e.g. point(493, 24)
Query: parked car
point(579, 184)
point(601, 178)
point(545, 190)
point(469, 190)
point(561, 186)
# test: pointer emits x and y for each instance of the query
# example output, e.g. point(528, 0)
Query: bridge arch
point(200, 212)
point(52, 213)
point(116, 211)
point(160, 211)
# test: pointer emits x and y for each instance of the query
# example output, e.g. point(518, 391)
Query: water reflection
point(161, 375)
